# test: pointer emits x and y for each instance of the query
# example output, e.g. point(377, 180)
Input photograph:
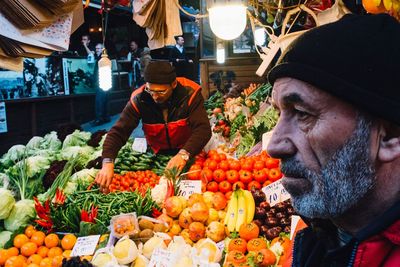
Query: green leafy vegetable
point(7, 201)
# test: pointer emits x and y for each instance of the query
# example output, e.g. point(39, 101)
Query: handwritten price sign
point(85, 245)
point(188, 188)
point(275, 193)
point(161, 258)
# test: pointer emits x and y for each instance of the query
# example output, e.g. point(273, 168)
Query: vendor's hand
point(177, 161)
point(190, 61)
point(105, 175)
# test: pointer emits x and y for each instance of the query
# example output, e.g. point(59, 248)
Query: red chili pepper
point(155, 213)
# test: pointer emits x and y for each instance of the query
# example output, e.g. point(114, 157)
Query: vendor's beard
point(346, 178)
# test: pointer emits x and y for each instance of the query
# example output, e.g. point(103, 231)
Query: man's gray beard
point(343, 181)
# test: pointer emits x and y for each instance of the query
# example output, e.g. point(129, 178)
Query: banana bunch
point(241, 208)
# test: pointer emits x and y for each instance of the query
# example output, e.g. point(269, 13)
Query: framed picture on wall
point(11, 85)
point(78, 76)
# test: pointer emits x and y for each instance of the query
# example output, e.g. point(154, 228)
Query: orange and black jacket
point(187, 125)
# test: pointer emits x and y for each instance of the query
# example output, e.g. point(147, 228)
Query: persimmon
point(236, 256)
point(256, 244)
point(238, 244)
point(265, 257)
point(249, 231)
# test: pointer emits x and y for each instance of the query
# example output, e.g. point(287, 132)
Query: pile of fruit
point(131, 181)
point(34, 248)
point(222, 174)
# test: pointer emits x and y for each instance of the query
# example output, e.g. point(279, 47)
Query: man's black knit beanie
point(356, 59)
point(159, 72)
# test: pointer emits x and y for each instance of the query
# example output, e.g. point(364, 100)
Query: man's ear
point(174, 84)
point(389, 144)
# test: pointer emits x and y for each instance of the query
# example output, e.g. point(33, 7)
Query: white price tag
point(85, 245)
point(139, 145)
point(265, 140)
point(189, 187)
point(161, 258)
point(275, 193)
point(221, 245)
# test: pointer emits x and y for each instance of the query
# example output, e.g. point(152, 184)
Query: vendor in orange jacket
point(173, 117)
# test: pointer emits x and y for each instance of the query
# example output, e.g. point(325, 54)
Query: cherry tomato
point(258, 165)
point(271, 163)
point(216, 158)
point(267, 182)
point(247, 165)
point(206, 174)
point(219, 175)
point(224, 186)
point(238, 184)
point(223, 165)
point(211, 164)
point(232, 176)
point(234, 165)
point(212, 186)
point(212, 152)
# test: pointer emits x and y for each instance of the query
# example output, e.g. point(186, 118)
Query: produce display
point(50, 200)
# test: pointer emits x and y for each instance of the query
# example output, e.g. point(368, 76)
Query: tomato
point(212, 152)
point(219, 175)
point(234, 165)
point(267, 182)
point(253, 184)
point(199, 162)
point(228, 195)
point(206, 174)
point(275, 174)
point(212, 186)
point(258, 165)
point(216, 157)
point(247, 165)
point(223, 165)
point(238, 184)
point(271, 163)
point(224, 186)
point(222, 156)
point(245, 176)
point(232, 176)
point(260, 176)
point(211, 164)
point(194, 175)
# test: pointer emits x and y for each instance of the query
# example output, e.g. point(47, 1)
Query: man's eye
point(301, 114)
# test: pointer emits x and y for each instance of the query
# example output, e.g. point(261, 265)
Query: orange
point(29, 249)
point(13, 251)
point(15, 261)
point(46, 262)
point(38, 238)
point(373, 6)
point(35, 258)
point(68, 241)
point(20, 240)
point(3, 256)
point(29, 231)
point(51, 240)
point(43, 251)
point(54, 252)
point(33, 265)
point(57, 261)
point(67, 253)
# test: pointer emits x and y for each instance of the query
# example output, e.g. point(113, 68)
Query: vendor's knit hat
point(159, 72)
point(356, 59)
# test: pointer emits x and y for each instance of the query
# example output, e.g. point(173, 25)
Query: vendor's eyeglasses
point(151, 92)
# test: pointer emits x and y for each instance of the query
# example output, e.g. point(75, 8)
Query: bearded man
point(338, 138)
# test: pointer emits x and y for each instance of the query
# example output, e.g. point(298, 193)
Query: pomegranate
point(194, 198)
point(199, 212)
point(197, 231)
point(215, 231)
point(173, 206)
point(219, 201)
point(185, 219)
point(212, 216)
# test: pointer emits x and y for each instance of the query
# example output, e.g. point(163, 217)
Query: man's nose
point(281, 143)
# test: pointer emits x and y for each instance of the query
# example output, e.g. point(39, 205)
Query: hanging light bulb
point(220, 53)
point(105, 75)
point(227, 19)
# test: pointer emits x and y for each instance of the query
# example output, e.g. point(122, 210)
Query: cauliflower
point(159, 192)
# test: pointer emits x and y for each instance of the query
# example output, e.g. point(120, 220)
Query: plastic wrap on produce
point(256, 150)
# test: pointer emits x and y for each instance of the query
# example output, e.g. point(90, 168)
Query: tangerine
point(57, 261)
point(28, 249)
point(43, 251)
point(33, 265)
point(51, 240)
point(68, 241)
point(3, 256)
point(46, 262)
point(35, 258)
point(29, 231)
point(373, 6)
point(67, 253)
point(55, 251)
point(13, 251)
point(38, 238)
point(15, 261)
point(20, 240)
